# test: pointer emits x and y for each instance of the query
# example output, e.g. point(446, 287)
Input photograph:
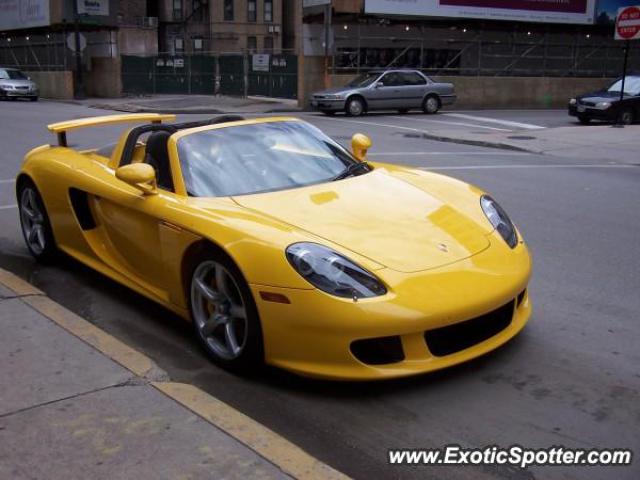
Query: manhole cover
point(521, 137)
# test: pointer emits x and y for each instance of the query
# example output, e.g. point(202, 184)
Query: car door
point(131, 233)
point(413, 89)
point(385, 92)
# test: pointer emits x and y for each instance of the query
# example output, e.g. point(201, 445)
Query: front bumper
point(327, 105)
point(448, 99)
point(313, 334)
point(592, 113)
point(18, 93)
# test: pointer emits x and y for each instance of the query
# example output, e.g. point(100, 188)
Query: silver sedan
point(399, 90)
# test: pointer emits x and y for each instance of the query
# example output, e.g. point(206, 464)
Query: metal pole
point(618, 122)
point(79, 94)
point(327, 25)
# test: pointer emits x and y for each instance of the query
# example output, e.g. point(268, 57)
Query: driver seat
point(157, 155)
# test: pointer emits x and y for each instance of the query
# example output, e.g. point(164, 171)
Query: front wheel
point(626, 117)
point(584, 120)
point(431, 104)
point(224, 314)
point(34, 221)
point(355, 107)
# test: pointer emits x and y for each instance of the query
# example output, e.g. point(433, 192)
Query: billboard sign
point(93, 7)
point(547, 11)
point(23, 14)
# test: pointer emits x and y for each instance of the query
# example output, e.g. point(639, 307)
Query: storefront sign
point(93, 7)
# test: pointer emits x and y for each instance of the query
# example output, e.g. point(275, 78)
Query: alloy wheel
point(355, 107)
point(33, 223)
point(432, 105)
point(219, 312)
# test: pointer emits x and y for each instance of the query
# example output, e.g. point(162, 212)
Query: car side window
point(3, 74)
point(413, 79)
point(392, 79)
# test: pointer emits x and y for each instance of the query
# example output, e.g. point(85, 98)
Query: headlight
point(6, 87)
point(500, 220)
point(333, 273)
point(603, 105)
point(572, 101)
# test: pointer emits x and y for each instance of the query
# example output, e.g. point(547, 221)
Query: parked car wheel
point(225, 318)
point(355, 107)
point(626, 117)
point(584, 120)
point(34, 221)
point(431, 104)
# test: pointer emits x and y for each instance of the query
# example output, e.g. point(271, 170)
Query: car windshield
point(631, 86)
point(13, 74)
point(363, 80)
point(258, 158)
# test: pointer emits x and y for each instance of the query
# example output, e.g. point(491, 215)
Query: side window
point(392, 80)
point(3, 74)
point(413, 79)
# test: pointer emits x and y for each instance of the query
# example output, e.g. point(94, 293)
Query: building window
point(178, 44)
point(228, 10)
point(198, 11)
point(252, 44)
point(268, 44)
point(251, 11)
point(177, 9)
point(197, 44)
point(268, 10)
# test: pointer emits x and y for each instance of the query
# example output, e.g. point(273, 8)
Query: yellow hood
point(379, 216)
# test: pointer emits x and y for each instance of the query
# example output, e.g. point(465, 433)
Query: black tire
point(403, 110)
point(355, 107)
point(43, 249)
point(431, 104)
point(33, 99)
point(626, 117)
point(251, 356)
point(584, 120)
point(329, 113)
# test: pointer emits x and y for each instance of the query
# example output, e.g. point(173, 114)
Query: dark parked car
point(606, 104)
point(399, 90)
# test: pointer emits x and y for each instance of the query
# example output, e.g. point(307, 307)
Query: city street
point(571, 378)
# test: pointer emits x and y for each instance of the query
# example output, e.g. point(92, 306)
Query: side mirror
point(139, 175)
point(360, 143)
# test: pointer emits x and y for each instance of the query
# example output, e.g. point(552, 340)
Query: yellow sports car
point(281, 246)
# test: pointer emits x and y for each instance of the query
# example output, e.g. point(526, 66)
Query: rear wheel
point(431, 104)
point(626, 117)
point(584, 120)
point(34, 221)
point(355, 107)
point(225, 318)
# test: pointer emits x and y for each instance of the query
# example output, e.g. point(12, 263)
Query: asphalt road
point(571, 378)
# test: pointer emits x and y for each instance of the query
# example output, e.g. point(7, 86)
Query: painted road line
point(8, 207)
point(458, 124)
point(291, 459)
point(505, 167)
point(419, 154)
point(526, 126)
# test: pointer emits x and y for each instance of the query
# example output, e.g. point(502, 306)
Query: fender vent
point(378, 351)
point(80, 205)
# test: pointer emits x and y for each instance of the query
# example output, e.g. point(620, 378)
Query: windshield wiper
point(351, 170)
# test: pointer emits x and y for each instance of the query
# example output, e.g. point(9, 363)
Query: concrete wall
point(57, 85)
point(507, 92)
point(105, 78)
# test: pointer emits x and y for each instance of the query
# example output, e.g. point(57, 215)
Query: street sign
point(628, 23)
point(71, 42)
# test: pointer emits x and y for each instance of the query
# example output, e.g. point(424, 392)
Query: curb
point(289, 458)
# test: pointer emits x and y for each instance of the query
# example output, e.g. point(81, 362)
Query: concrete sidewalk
point(75, 403)
point(213, 104)
point(596, 142)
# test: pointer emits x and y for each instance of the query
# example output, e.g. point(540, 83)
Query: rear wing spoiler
point(61, 128)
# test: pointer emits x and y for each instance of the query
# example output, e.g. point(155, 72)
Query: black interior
point(157, 153)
